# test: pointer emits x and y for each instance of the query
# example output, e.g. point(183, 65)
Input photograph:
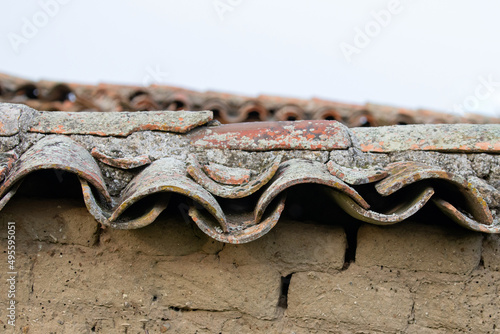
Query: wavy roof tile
point(227, 108)
point(377, 175)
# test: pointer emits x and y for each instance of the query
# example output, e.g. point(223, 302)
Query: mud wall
point(302, 277)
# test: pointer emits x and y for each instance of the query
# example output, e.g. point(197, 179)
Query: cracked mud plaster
point(240, 292)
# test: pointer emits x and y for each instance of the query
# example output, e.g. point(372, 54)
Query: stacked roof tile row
point(237, 176)
point(227, 108)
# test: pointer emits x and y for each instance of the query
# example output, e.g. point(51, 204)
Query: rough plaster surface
point(448, 250)
point(169, 278)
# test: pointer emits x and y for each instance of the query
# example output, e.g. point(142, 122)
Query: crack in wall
point(284, 287)
point(351, 231)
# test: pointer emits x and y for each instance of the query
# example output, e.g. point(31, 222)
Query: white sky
point(431, 54)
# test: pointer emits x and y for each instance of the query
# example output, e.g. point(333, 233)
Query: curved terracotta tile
point(107, 97)
point(295, 171)
point(290, 113)
point(147, 218)
point(464, 220)
point(227, 175)
point(405, 173)
point(102, 215)
point(195, 170)
point(361, 118)
point(167, 175)
point(93, 206)
point(399, 214)
point(6, 162)
point(242, 228)
point(9, 194)
point(356, 176)
point(263, 136)
point(144, 102)
point(123, 163)
point(60, 153)
point(220, 109)
point(179, 101)
point(327, 113)
point(252, 111)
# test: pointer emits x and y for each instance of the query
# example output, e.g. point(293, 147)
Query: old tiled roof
point(237, 176)
point(227, 108)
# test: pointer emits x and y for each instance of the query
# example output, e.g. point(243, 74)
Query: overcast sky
point(441, 55)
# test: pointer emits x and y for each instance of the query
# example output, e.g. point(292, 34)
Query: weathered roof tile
point(263, 136)
point(118, 123)
point(436, 137)
point(227, 108)
point(9, 120)
point(241, 197)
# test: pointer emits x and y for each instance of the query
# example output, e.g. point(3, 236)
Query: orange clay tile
point(261, 136)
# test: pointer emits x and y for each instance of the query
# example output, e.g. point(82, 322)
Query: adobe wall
point(413, 277)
